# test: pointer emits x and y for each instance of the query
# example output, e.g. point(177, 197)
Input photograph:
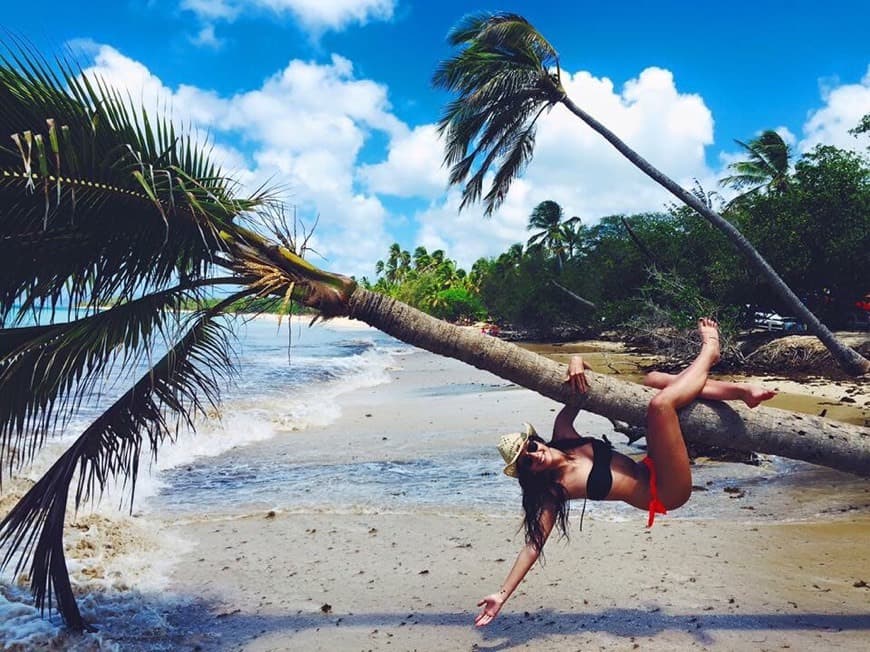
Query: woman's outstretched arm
point(529, 554)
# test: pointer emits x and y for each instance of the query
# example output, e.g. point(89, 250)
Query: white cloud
point(213, 9)
point(844, 107)
point(302, 129)
point(413, 166)
point(124, 73)
point(207, 38)
point(468, 235)
point(787, 136)
point(314, 15)
point(577, 168)
point(305, 128)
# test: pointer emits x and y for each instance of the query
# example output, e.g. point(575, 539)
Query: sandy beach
point(289, 578)
point(410, 582)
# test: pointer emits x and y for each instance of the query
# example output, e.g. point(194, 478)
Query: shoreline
point(838, 398)
point(613, 355)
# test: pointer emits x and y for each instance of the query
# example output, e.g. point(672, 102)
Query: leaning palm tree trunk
point(766, 430)
point(586, 303)
point(506, 75)
point(849, 359)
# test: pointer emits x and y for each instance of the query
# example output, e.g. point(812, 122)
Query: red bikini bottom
point(655, 505)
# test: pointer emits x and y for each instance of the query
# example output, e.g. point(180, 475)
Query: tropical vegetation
point(558, 236)
point(816, 230)
point(766, 167)
point(430, 282)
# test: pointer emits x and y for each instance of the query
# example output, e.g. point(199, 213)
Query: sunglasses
point(525, 462)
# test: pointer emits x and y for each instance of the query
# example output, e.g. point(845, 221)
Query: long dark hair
point(541, 490)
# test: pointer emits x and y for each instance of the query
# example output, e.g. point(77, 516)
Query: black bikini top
point(600, 479)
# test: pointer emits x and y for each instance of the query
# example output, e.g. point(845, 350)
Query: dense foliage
point(504, 75)
point(430, 282)
point(812, 223)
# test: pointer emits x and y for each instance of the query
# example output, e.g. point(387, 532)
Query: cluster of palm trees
point(559, 237)
point(428, 281)
point(400, 263)
point(104, 205)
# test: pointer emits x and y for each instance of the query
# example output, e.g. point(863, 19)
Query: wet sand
point(291, 579)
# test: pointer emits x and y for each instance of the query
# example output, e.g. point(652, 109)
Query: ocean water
point(291, 380)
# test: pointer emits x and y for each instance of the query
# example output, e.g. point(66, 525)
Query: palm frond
point(494, 144)
point(773, 150)
point(537, 239)
point(502, 81)
point(119, 199)
point(520, 148)
point(102, 204)
point(546, 215)
point(746, 177)
point(767, 165)
point(183, 383)
point(46, 371)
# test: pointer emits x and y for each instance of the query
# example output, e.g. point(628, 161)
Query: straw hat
point(510, 446)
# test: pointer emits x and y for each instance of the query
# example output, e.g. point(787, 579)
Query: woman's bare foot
point(709, 332)
point(755, 394)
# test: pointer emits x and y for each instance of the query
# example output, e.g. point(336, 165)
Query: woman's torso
point(630, 479)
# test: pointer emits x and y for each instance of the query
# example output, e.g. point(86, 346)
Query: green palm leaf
point(46, 371)
point(100, 204)
point(97, 200)
point(556, 235)
point(767, 166)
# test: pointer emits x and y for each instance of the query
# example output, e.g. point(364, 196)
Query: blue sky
point(332, 99)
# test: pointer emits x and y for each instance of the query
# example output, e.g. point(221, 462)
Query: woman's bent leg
point(716, 390)
point(665, 445)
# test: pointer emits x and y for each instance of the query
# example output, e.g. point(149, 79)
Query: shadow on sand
point(201, 626)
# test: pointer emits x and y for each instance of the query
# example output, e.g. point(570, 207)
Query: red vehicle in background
point(859, 317)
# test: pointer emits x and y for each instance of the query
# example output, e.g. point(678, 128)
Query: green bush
point(457, 304)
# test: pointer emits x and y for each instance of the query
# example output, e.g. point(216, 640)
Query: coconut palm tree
point(124, 220)
point(421, 258)
point(766, 169)
point(127, 221)
point(555, 230)
point(576, 237)
point(505, 76)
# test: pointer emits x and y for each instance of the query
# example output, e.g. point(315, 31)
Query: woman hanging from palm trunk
point(570, 466)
